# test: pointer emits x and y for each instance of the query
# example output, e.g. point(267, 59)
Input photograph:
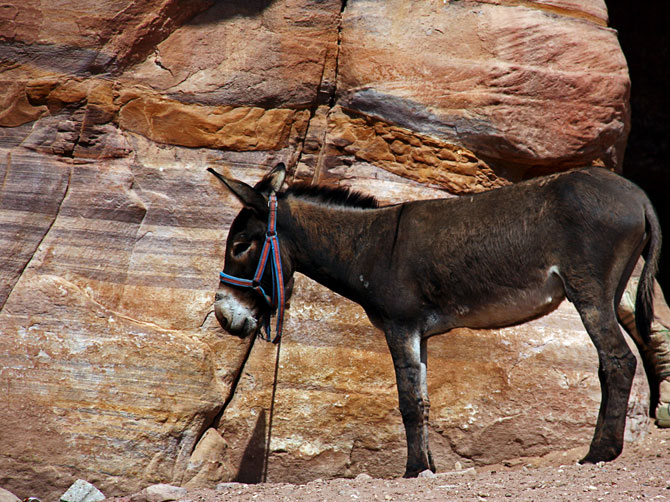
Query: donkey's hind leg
point(616, 372)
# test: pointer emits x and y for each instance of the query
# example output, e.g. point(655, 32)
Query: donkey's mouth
point(236, 321)
point(247, 328)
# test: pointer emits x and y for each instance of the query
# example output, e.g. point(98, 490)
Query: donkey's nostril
point(223, 320)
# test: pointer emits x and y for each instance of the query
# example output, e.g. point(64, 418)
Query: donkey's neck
point(341, 247)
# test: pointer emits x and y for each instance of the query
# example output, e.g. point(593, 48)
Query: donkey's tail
point(644, 301)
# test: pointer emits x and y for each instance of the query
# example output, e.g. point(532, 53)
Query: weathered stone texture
point(503, 81)
point(106, 366)
point(259, 53)
point(397, 150)
point(113, 368)
point(222, 127)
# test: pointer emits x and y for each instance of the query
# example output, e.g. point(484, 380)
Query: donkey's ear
point(272, 181)
point(247, 195)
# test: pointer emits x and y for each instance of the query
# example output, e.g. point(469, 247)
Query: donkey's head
point(242, 309)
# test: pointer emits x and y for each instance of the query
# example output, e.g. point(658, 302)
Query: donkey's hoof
point(601, 455)
point(417, 472)
point(589, 459)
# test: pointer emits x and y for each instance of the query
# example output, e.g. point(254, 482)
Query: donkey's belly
point(510, 306)
point(518, 306)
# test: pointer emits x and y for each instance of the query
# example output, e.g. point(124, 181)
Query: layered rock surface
point(113, 367)
point(483, 76)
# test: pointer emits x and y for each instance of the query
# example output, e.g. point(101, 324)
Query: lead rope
point(278, 291)
point(266, 461)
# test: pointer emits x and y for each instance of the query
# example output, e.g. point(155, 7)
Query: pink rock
point(160, 493)
point(521, 86)
point(7, 496)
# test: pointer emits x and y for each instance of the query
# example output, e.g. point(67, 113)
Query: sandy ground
point(640, 473)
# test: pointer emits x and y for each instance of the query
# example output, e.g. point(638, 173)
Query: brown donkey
point(422, 268)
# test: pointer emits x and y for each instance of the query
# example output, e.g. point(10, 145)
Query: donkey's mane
point(333, 195)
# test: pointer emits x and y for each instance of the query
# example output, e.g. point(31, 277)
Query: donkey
point(421, 268)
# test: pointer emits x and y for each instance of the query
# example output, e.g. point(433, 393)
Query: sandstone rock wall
point(112, 365)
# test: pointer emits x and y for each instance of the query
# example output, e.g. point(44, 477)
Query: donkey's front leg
point(409, 360)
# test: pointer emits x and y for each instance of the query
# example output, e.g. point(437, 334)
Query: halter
point(270, 249)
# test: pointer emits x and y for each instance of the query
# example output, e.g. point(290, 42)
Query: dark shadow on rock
point(253, 460)
point(645, 41)
point(223, 10)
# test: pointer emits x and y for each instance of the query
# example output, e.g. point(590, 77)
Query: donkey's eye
point(241, 248)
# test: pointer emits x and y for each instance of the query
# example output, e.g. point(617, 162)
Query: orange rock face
point(113, 366)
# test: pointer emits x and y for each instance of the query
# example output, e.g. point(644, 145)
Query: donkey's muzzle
point(235, 315)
